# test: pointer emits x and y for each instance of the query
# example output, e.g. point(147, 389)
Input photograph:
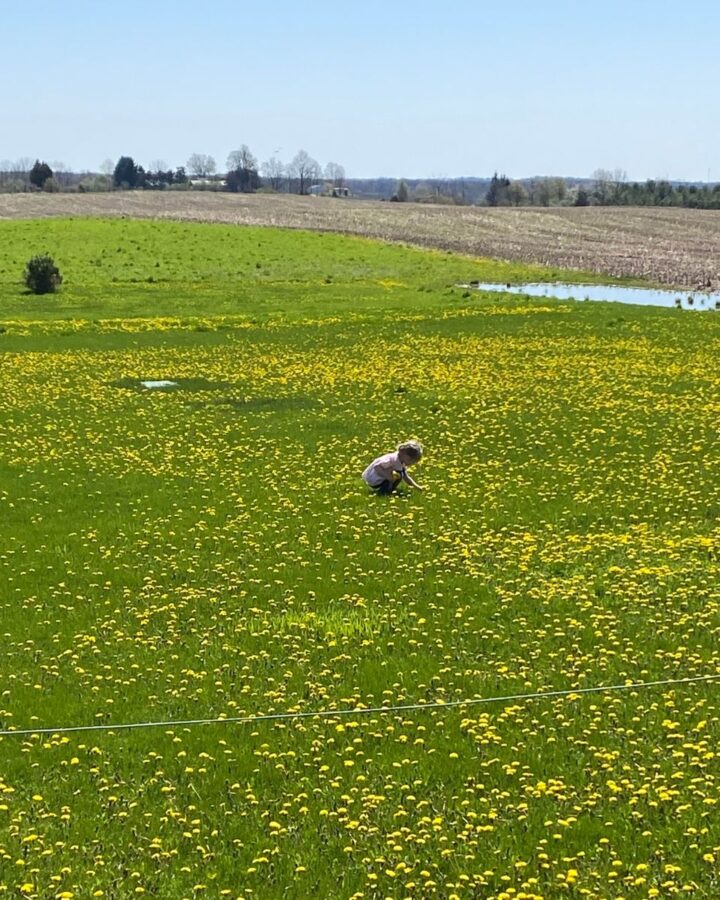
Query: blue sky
point(395, 88)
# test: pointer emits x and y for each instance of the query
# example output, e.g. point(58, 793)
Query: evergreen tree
point(126, 173)
point(498, 192)
point(40, 173)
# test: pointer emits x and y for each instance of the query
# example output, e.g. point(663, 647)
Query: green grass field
point(210, 551)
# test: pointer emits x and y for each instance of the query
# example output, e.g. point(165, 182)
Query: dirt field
point(676, 247)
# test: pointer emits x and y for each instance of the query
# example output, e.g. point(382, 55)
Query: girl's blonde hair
point(412, 448)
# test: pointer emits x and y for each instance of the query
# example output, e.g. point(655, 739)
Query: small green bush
point(41, 275)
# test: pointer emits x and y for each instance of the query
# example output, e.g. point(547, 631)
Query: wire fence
point(358, 710)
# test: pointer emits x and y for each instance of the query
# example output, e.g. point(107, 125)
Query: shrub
point(41, 275)
point(94, 183)
point(14, 186)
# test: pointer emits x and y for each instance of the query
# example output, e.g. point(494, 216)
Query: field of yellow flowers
point(208, 551)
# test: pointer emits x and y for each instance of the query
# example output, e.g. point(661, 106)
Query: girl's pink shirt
point(381, 469)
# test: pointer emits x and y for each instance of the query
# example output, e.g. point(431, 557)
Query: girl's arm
point(408, 480)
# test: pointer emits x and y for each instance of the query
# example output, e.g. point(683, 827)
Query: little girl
point(386, 472)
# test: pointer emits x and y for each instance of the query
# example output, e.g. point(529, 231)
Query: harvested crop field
point(677, 247)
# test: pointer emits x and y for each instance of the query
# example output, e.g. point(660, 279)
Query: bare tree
point(517, 193)
point(560, 189)
point(619, 182)
point(5, 170)
point(548, 191)
point(61, 172)
point(603, 181)
point(201, 165)
point(424, 192)
point(304, 170)
point(241, 159)
point(336, 173)
point(107, 167)
point(542, 192)
point(22, 168)
point(274, 172)
point(159, 165)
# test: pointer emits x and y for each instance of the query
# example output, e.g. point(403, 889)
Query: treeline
point(615, 190)
point(243, 174)
point(469, 191)
point(603, 189)
point(304, 175)
point(128, 175)
point(24, 175)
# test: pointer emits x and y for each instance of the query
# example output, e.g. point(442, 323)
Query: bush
point(14, 186)
point(41, 275)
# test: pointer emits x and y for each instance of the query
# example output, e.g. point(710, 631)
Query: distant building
point(328, 190)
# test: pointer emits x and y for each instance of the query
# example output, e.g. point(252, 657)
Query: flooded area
point(607, 292)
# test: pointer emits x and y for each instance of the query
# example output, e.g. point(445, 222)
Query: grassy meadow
point(210, 551)
point(669, 246)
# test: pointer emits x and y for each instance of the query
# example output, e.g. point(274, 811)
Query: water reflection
point(608, 292)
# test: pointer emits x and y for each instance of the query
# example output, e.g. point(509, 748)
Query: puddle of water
point(151, 385)
point(192, 385)
point(608, 292)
